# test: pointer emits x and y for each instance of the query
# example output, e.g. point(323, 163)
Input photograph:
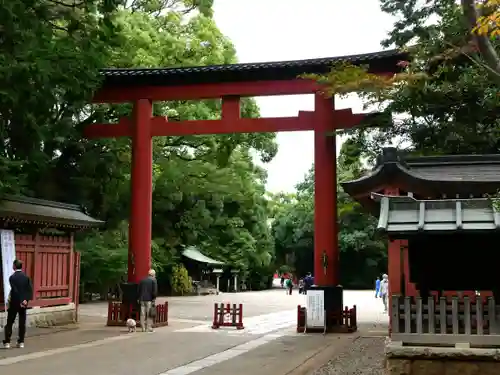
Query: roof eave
point(49, 221)
point(378, 177)
point(379, 62)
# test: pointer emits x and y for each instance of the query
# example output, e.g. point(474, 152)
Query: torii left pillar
point(139, 245)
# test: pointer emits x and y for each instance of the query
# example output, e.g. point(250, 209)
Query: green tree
point(362, 252)
point(207, 191)
point(444, 101)
point(180, 281)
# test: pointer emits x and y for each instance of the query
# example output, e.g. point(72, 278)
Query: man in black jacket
point(21, 292)
point(148, 290)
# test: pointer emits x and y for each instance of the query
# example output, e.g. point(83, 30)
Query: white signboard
point(315, 308)
point(7, 242)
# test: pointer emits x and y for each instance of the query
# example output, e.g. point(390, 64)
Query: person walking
point(289, 285)
point(301, 286)
point(21, 292)
point(384, 291)
point(148, 291)
point(377, 287)
point(308, 282)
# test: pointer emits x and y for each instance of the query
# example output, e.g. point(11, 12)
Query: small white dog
point(131, 325)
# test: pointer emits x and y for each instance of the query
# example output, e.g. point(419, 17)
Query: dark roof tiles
point(39, 211)
point(384, 61)
point(450, 174)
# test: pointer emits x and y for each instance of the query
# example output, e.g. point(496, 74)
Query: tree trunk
point(490, 56)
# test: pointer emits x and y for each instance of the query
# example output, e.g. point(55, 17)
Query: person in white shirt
point(384, 290)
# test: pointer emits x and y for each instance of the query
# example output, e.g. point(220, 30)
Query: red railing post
point(110, 311)
point(215, 324)
point(298, 318)
point(240, 317)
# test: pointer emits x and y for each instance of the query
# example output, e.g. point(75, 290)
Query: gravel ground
point(365, 356)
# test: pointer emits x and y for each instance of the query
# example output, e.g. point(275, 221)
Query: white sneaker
point(6, 346)
point(20, 345)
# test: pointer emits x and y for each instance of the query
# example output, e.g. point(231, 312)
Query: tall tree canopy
point(445, 100)
point(207, 190)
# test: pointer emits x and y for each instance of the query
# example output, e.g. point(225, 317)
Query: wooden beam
point(204, 91)
point(160, 126)
point(122, 129)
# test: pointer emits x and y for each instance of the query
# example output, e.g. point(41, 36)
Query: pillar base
point(339, 319)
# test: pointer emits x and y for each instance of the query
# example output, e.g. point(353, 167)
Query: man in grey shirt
point(384, 290)
point(148, 291)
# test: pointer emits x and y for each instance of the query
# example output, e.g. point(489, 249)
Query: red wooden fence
point(53, 267)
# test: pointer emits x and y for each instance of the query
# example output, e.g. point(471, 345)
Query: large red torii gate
point(229, 83)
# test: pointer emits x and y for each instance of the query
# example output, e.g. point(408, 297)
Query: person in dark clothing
point(148, 291)
point(308, 282)
point(21, 292)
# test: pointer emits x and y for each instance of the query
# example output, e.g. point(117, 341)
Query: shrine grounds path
point(268, 345)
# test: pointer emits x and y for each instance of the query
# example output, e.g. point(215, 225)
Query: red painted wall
point(53, 267)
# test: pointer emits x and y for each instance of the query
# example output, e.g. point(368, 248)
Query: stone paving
point(188, 345)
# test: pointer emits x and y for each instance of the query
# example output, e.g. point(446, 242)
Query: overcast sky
point(276, 30)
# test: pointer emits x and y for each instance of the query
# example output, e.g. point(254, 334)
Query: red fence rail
point(229, 315)
point(119, 312)
point(343, 321)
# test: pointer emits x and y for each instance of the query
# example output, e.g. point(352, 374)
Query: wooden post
point(141, 190)
point(76, 284)
point(37, 267)
point(71, 269)
point(325, 194)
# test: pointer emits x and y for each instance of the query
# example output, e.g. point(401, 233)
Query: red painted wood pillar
point(139, 252)
point(394, 255)
point(325, 194)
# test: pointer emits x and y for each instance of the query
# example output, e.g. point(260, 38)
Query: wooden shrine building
point(423, 178)
point(443, 232)
point(452, 246)
point(44, 242)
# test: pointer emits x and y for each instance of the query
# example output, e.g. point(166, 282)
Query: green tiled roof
point(193, 253)
point(406, 215)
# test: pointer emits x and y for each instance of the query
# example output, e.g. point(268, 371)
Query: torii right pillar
point(326, 248)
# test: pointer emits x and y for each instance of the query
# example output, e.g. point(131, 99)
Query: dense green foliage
point(362, 252)
point(207, 190)
point(444, 102)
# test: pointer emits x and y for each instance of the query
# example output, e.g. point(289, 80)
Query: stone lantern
point(235, 278)
point(218, 272)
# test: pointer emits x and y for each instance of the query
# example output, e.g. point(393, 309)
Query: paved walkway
point(188, 345)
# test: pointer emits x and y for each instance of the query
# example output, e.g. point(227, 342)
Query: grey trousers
point(384, 300)
point(146, 321)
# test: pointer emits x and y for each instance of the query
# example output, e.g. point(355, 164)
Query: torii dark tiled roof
point(23, 210)
point(431, 175)
point(379, 62)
